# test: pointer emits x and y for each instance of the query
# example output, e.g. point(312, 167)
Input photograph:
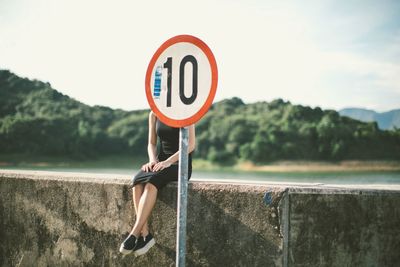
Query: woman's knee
point(137, 189)
point(150, 188)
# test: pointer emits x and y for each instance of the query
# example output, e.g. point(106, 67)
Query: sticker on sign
point(181, 80)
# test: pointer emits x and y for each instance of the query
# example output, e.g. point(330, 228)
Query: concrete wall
point(344, 227)
point(54, 219)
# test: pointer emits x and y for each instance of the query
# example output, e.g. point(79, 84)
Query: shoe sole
point(124, 251)
point(146, 248)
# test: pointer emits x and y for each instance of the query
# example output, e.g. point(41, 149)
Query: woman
point(154, 175)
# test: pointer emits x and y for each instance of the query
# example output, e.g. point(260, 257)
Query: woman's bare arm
point(152, 144)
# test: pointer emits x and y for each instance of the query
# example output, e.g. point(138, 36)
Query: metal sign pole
point(182, 197)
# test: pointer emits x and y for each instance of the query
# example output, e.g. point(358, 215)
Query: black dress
point(169, 145)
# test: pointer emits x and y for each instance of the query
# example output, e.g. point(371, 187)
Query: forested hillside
point(264, 132)
point(35, 119)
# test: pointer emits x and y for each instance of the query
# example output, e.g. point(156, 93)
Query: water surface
point(371, 178)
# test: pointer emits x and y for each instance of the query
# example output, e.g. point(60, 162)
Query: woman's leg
point(137, 192)
point(144, 208)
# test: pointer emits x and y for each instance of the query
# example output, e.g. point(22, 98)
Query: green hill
point(264, 132)
point(37, 120)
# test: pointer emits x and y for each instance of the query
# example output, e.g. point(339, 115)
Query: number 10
point(184, 99)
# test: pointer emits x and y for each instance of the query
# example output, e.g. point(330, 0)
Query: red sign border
point(214, 81)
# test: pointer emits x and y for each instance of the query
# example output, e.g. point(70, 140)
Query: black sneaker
point(129, 245)
point(144, 244)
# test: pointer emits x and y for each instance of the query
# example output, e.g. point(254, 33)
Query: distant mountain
point(386, 120)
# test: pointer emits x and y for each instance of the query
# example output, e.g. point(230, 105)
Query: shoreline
point(199, 164)
point(321, 166)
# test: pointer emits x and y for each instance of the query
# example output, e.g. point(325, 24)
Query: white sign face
point(181, 81)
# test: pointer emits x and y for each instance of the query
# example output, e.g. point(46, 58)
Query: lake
point(372, 178)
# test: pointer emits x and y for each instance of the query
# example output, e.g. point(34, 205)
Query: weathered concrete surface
point(67, 219)
point(337, 227)
point(53, 219)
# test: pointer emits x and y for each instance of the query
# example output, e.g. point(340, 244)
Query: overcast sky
point(332, 54)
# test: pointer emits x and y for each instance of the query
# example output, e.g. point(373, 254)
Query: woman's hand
point(148, 167)
point(161, 165)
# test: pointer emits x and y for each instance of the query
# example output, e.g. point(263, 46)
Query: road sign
point(181, 81)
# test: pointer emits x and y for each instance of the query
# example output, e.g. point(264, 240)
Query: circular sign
point(181, 81)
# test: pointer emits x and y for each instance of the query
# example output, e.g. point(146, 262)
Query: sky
point(331, 54)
